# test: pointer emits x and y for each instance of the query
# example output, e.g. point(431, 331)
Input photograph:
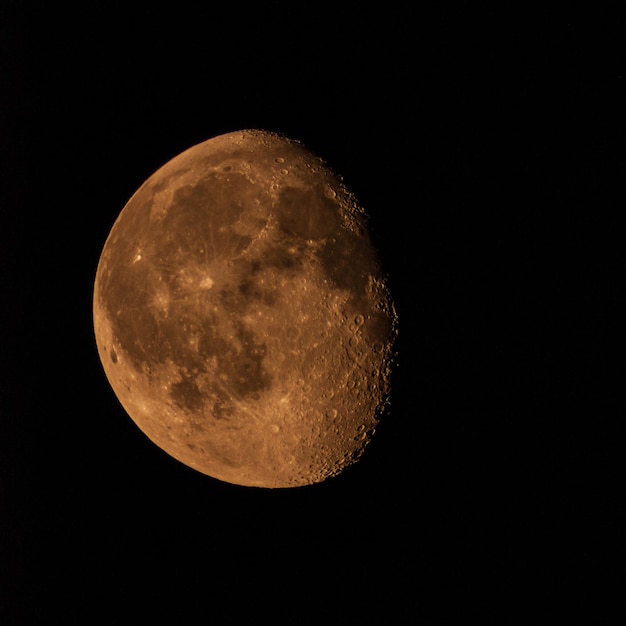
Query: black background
point(488, 148)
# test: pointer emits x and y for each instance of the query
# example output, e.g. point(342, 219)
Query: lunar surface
point(241, 314)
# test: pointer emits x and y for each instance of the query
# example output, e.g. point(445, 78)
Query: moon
point(242, 316)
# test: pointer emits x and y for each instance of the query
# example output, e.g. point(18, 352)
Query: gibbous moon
point(241, 314)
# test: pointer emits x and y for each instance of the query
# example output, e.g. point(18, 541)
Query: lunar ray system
point(241, 314)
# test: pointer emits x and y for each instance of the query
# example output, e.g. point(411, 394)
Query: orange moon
point(241, 314)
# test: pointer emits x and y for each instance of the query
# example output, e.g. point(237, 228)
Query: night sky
point(487, 148)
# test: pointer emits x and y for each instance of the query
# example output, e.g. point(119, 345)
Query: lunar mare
point(241, 314)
